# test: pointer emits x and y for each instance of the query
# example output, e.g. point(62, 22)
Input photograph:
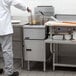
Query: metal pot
point(32, 19)
point(35, 19)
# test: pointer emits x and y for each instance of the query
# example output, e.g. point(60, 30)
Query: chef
point(6, 32)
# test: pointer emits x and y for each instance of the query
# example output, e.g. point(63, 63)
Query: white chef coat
point(5, 15)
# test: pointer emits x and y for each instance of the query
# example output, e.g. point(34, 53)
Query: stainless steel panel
point(66, 17)
point(17, 49)
point(47, 10)
point(34, 32)
point(17, 36)
point(43, 13)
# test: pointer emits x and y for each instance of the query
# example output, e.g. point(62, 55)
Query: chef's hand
point(29, 10)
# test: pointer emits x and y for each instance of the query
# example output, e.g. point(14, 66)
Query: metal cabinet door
point(34, 50)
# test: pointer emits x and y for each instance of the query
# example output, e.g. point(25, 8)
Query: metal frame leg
point(53, 50)
point(44, 63)
point(44, 66)
point(28, 65)
point(53, 61)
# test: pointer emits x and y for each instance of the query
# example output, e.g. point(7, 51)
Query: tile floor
point(57, 72)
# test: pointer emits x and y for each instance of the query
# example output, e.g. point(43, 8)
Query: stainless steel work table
point(53, 42)
point(53, 48)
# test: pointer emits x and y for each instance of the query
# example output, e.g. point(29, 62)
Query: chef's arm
point(19, 4)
